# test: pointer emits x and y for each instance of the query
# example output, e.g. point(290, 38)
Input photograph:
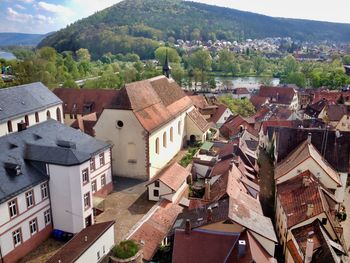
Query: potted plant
point(126, 251)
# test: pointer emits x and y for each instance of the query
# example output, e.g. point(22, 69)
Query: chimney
point(21, 126)
point(242, 246)
point(310, 209)
point(309, 136)
point(209, 214)
point(309, 248)
point(207, 189)
point(188, 227)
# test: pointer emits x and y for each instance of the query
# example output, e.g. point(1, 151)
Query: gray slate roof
point(36, 146)
point(25, 99)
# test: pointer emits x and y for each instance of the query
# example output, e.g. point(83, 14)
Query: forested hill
point(20, 39)
point(138, 25)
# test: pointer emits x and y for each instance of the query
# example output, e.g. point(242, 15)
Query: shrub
point(125, 249)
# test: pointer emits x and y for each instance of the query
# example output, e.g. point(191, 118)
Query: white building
point(27, 105)
point(168, 184)
point(148, 123)
point(91, 245)
point(46, 183)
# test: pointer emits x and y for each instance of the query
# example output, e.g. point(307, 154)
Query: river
point(7, 55)
point(251, 83)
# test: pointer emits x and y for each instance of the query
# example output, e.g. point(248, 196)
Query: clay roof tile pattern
point(154, 101)
point(198, 119)
point(218, 113)
point(72, 250)
point(279, 95)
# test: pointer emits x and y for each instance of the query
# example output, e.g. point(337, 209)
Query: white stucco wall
point(192, 129)
point(163, 190)
point(103, 245)
point(131, 133)
point(67, 197)
point(31, 117)
point(224, 117)
point(166, 154)
point(7, 225)
point(201, 169)
point(101, 170)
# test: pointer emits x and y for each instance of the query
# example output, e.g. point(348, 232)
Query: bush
point(125, 249)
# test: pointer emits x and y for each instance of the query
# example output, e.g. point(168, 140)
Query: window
point(171, 134)
point(132, 153)
point(58, 114)
point(92, 164)
point(47, 217)
point(104, 249)
point(87, 200)
point(156, 192)
point(103, 180)
point(157, 146)
point(33, 226)
point(36, 117)
point(164, 139)
point(9, 126)
point(98, 255)
point(102, 159)
point(48, 115)
point(120, 124)
point(26, 120)
point(93, 186)
point(13, 208)
point(44, 191)
point(85, 174)
point(179, 127)
point(30, 199)
point(17, 237)
point(156, 183)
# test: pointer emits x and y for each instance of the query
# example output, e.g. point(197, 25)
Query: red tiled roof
point(258, 101)
point(218, 113)
point(72, 250)
point(294, 252)
point(86, 123)
point(241, 91)
point(233, 126)
point(155, 229)
point(154, 101)
point(199, 101)
point(198, 119)
point(276, 123)
point(295, 197)
point(98, 98)
point(173, 176)
point(336, 112)
point(202, 246)
point(278, 95)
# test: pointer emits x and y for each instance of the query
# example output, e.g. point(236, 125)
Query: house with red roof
point(241, 93)
point(220, 116)
point(281, 96)
point(148, 123)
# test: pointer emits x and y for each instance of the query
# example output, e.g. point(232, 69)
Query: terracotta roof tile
point(156, 228)
point(279, 95)
point(232, 127)
point(98, 99)
point(295, 198)
point(258, 101)
point(202, 246)
point(72, 250)
point(199, 101)
point(198, 119)
point(172, 176)
point(241, 91)
point(218, 113)
point(154, 101)
point(336, 112)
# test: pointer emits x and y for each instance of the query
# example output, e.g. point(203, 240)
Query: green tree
point(242, 107)
point(226, 59)
point(290, 65)
point(346, 60)
point(177, 73)
point(201, 60)
point(173, 56)
point(83, 54)
point(296, 78)
point(259, 65)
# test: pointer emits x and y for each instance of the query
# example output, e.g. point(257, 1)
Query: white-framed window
point(33, 226)
point(85, 176)
point(171, 134)
point(102, 159)
point(44, 191)
point(17, 237)
point(179, 127)
point(92, 164)
point(104, 249)
point(47, 217)
point(30, 199)
point(103, 180)
point(157, 146)
point(87, 200)
point(164, 140)
point(93, 186)
point(13, 208)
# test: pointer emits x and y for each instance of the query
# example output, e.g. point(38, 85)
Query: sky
point(43, 16)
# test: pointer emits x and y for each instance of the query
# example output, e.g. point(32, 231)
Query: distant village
point(156, 173)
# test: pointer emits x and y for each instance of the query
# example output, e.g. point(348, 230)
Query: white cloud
point(20, 7)
point(18, 17)
point(27, 1)
point(88, 7)
point(58, 9)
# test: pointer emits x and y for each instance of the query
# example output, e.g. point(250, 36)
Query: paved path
point(127, 205)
